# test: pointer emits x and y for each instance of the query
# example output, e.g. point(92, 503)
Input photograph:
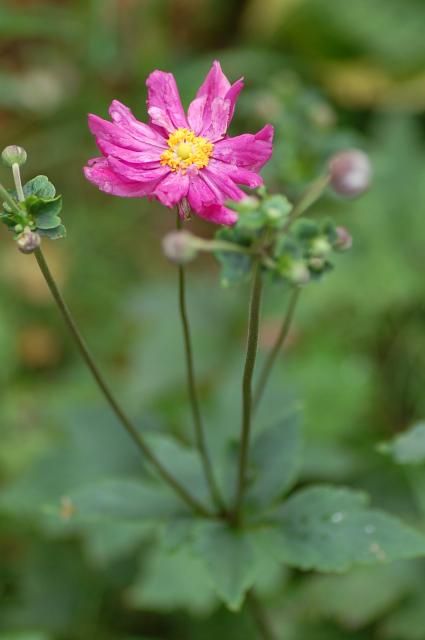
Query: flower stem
point(107, 393)
point(18, 182)
point(193, 395)
point(259, 616)
point(251, 353)
point(309, 197)
point(271, 358)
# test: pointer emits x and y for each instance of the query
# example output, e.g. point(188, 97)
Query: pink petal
point(164, 104)
point(199, 195)
point(221, 184)
point(123, 117)
point(129, 137)
point(99, 173)
point(172, 189)
point(248, 150)
point(148, 156)
point(206, 201)
point(215, 83)
point(220, 114)
point(218, 214)
point(196, 115)
point(233, 94)
point(137, 173)
point(239, 175)
point(202, 113)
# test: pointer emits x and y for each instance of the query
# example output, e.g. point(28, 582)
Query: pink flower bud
point(350, 173)
point(179, 246)
point(344, 239)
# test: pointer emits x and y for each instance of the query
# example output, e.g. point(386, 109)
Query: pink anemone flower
point(182, 160)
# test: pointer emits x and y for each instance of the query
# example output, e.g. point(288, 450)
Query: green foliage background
point(327, 74)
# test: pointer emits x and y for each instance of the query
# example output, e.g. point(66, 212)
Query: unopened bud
point(320, 247)
point(344, 239)
point(298, 273)
point(248, 204)
point(14, 155)
point(316, 264)
point(179, 246)
point(28, 241)
point(350, 173)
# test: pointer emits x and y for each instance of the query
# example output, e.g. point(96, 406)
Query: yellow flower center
point(185, 149)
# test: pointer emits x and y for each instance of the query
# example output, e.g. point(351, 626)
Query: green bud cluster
point(38, 213)
point(295, 252)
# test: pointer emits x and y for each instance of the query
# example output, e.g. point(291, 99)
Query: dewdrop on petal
point(28, 241)
point(350, 173)
point(14, 155)
point(179, 246)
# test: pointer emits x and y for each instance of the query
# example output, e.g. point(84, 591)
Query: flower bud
point(298, 273)
point(344, 239)
point(14, 155)
point(320, 247)
point(316, 264)
point(28, 241)
point(350, 173)
point(180, 246)
point(247, 204)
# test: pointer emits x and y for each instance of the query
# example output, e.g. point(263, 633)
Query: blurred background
point(328, 74)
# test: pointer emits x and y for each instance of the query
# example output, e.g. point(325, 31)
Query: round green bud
point(28, 241)
point(320, 247)
point(316, 263)
point(180, 246)
point(248, 204)
point(298, 273)
point(14, 155)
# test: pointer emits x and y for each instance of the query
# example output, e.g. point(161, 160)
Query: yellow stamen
point(186, 149)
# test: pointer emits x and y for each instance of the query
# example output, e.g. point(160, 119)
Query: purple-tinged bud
point(180, 246)
point(350, 173)
point(14, 155)
point(28, 241)
point(344, 239)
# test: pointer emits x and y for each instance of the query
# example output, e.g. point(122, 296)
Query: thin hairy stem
point(259, 616)
point(192, 390)
point(18, 182)
point(107, 393)
point(274, 352)
point(251, 353)
point(309, 197)
point(88, 359)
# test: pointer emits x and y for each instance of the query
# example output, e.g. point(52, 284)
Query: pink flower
point(184, 161)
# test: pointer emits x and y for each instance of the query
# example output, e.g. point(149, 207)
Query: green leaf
point(124, 501)
point(276, 209)
point(331, 529)
point(360, 597)
point(275, 461)
point(54, 234)
point(43, 208)
point(230, 558)
point(183, 462)
point(41, 187)
point(171, 580)
point(408, 447)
